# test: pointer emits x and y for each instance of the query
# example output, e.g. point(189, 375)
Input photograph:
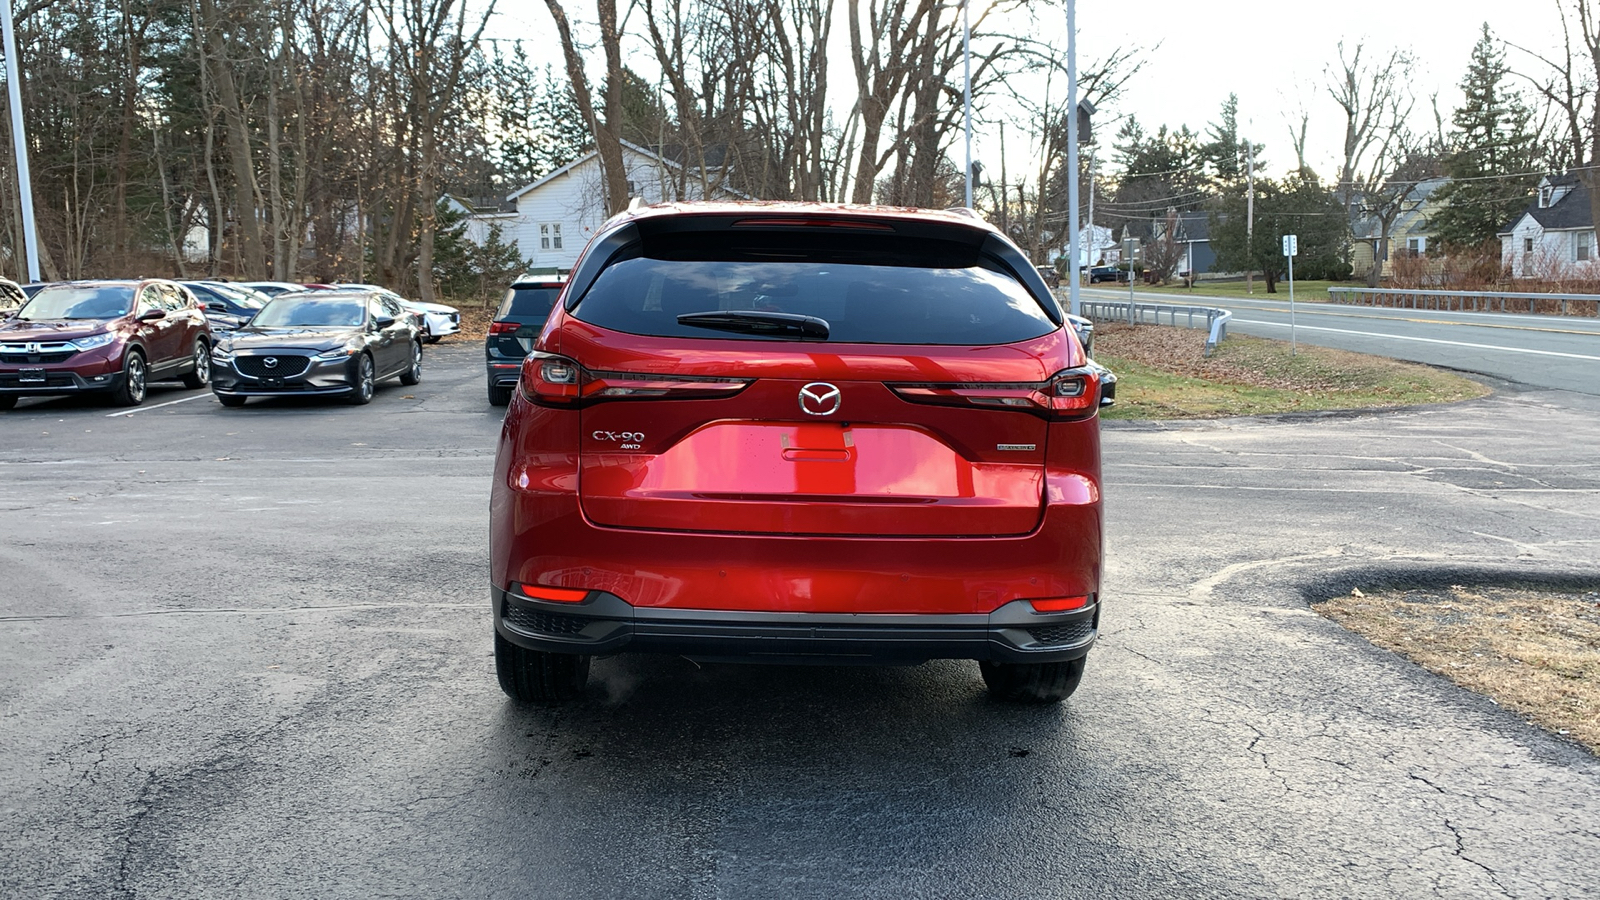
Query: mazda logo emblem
point(819, 398)
point(270, 362)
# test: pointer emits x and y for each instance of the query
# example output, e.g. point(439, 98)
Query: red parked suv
point(800, 432)
point(105, 337)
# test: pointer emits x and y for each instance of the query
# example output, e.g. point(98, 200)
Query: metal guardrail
point(1459, 301)
point(1216, 320)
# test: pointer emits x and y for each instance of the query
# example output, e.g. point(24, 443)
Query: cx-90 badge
point(819, 398)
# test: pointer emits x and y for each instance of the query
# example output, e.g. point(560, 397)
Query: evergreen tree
point(1223, 153)
point(1299, 205)
point(1159, 171)
point(1493, 152)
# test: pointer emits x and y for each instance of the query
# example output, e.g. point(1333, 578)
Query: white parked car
point(438, 319)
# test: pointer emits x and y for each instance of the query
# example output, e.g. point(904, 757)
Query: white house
point(556, 215)
point(1554, 237)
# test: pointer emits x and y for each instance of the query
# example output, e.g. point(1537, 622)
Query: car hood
point(419, 306)
point(49, 329)
point(316, 339)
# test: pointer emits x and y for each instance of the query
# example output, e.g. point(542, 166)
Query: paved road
point(1543, 351)
point(246, 653)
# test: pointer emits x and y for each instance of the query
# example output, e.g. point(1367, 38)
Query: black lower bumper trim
point(604, 624)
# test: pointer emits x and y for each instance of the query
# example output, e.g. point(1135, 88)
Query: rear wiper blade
point(755, 321)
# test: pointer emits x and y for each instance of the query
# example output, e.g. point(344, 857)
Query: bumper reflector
point(1059, 604)
point(553, 594)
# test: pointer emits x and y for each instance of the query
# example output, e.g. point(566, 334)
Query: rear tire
point(499, 396)
point(201, 376)
point(230, 402)
point(534, 676)
point(1049, 682)
point(7, 401)
point(135, 380)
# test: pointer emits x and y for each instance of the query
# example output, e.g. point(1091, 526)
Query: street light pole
point(19, 136)
point(1074, 237)
point(967, 93)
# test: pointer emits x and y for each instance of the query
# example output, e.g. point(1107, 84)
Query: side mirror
point(383, 322)
point(152, 315)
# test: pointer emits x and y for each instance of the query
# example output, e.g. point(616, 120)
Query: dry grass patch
point(1533, 651)
point(1165, 374)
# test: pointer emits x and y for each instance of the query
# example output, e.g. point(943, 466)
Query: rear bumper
point(604, 624)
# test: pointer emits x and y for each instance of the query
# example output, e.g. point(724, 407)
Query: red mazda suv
point(800, 433)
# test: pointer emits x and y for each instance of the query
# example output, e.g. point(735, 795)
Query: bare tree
point(1376, 104)
point(608, 132)
point(1568, 91)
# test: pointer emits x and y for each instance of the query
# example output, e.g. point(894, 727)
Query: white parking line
point(1399, 337)
point(138, 409)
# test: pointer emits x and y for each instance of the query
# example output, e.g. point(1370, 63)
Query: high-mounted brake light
point(812, 223)
point(1069, 395)
point(550, 380)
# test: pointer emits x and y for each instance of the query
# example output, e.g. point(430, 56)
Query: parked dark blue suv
point(515, 327)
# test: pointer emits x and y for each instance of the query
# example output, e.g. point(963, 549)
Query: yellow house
point(1409, 237)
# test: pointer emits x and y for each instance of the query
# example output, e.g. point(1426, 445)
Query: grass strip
point(1164, 374)
point(1535, 652)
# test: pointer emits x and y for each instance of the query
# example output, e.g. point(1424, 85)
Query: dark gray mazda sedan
point(323, 343)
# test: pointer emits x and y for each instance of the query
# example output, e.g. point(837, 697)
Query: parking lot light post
point(966, 89)
point(1074, 237)
point(19, 137)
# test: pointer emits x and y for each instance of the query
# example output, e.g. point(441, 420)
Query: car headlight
point(222, 352)
point(338, 353)
point(93, 341)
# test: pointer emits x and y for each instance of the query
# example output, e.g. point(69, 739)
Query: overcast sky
point(1272, 53)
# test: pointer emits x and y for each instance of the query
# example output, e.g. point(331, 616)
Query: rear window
point(529, 302)
point(970, 304)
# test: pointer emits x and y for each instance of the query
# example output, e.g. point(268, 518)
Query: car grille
point(1067, 633)
point(543, 622)
point(285, 366)
point(13, 357)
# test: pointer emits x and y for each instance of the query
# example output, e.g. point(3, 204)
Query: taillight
point(503, 327)
point(1069, 394)
point(551, 380)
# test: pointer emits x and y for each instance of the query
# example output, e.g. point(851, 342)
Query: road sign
point(1130, 249)
point(1291, 245)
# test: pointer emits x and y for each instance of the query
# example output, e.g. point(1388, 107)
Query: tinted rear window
point(870, 304)
point(529, 302)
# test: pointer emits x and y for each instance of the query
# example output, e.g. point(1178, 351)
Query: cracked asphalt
point(247, 652)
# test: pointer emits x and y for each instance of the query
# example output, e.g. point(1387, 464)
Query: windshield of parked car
point(66, 301)
point(246, 298)
point(871, 304)
point(311, 312)
point(529, 302)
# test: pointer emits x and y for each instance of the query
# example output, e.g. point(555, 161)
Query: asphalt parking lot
point(248, 652)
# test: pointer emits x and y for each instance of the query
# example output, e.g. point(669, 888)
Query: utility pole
point(1093, 239)
point(1005, 191)
point(19, 136)
point(1250, 215)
